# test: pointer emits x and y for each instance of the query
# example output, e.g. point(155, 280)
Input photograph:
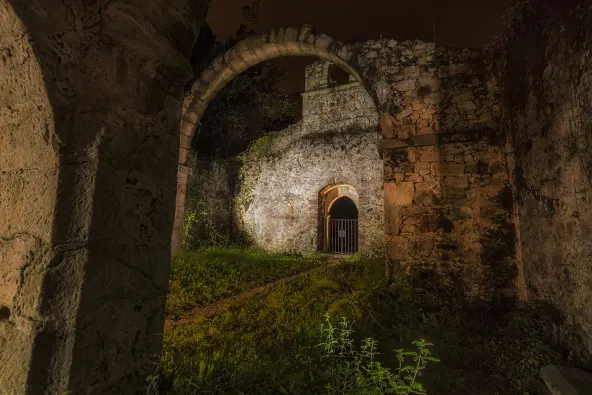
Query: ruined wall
point(282, 176)
point(276, 200)
point(210, 192)
point(447, 200)
point(89, 137)
point(548, 91)
point(446, 196)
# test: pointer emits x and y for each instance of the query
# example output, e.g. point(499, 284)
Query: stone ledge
point(562, 380)
point(330, 89)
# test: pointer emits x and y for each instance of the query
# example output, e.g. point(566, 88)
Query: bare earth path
point(219, 306)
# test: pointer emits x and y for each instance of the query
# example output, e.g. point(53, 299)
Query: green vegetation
point(279, 342)
point(197, 215)
point(202, 277)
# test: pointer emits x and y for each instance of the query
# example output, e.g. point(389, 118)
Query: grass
point(204, 276)
point(266, 344)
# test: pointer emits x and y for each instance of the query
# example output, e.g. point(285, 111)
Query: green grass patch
point(201, 277)
point(269, 343)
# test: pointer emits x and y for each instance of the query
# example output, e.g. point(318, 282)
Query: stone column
point(89, 126)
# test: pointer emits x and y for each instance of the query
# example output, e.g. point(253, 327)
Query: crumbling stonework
point(90, 105)
point(211, 186)
point(547, 76)
point(91, 123)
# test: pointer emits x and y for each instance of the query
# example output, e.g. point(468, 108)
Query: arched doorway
point(338, 219)
point(342, 226)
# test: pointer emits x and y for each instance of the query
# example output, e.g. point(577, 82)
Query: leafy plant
point(197, 213)
point(350, 371)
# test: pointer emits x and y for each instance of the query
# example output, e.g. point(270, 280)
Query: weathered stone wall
point(210, 191)
point(278, 202)
point(548, 91)
point(89, 137)
point(333, 108)
point(283, 175)
point(447, 200)
point(28, 187)
point(446, 195)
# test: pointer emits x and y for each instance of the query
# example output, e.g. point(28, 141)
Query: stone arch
point(327, 197)
point(303, 41)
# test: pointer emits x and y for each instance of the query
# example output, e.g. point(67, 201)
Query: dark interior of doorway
point(343, 227)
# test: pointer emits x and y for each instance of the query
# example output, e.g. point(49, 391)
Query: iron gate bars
point(343, 236)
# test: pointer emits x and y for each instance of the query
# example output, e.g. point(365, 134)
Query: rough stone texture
point(449, 205)
point(29, 172)
point(421, 92)
point(211, 186)
point(277, 202)
point(335, 108)
point(548, 81)
point(303, 41)
point(90, 105)
point(447, 200)
point(278, 205)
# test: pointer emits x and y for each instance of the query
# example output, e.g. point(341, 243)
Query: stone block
point(456, 181)
point(467, 106)
point(419, 166)
point(562, 380)
point(430, 157)
point(413, 177)
point(405, 86)
point(463, 97)
point(429, 223)
point(426, 193)
point(410, 229)
point(397, 247)
point(448, 169)
point(453, 194)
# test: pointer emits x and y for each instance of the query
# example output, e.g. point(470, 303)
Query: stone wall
point(277, 195)
point(447, 199)
point(90, 105)
point(28, 182)
point(446, 187)
point(547, 75)
point(211, 186)
point(281, 181)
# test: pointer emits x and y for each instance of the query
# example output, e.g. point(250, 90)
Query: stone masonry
point(90, 107)
point(283, 174)
point(484, 159)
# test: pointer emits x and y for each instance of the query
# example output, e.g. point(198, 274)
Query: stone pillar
point(87, 197)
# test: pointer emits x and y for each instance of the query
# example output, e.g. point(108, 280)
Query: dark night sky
point(463, 23)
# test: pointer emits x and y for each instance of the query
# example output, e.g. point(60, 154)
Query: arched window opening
point(337, 76)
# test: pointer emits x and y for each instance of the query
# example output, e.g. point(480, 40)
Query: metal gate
point(343, 236)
